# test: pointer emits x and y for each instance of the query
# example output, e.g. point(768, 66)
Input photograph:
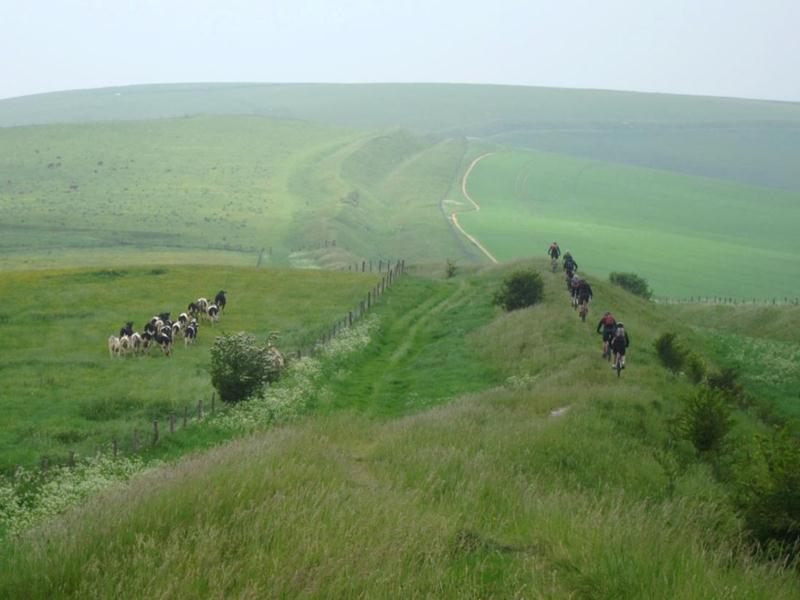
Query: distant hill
point(751, 141)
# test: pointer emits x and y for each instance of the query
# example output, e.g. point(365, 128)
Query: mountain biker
point(569, 262)
point(573, 284)
point(607, 324)
point(619, 343)
point(554, 251)
point(584, 294)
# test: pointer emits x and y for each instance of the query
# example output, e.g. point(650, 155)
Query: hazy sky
point(745, 48)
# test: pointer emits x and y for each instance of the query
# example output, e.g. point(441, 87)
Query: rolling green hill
point(689, 236)
point(492, 494)
point(751, 141)
point(220, 189)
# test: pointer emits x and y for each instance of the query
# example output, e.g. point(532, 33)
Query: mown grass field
point(485, 496)
point(59, 391)
point(688, 236)
point(219, 190)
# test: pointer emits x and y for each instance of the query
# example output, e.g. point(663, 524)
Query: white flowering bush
point(29, 497)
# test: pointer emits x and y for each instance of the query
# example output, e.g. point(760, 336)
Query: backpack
point(609, 320)
point(620, 332)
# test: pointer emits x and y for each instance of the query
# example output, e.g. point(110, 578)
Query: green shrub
point(240, 367)
point(726, 380)
point(520, 289)
point(769, 490)
point(450, 269)
point(705, 420)
point(633, 283)
point(695, 368)
point(670, 353)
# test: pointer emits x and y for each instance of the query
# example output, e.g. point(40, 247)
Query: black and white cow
point(127, 329)
point(220, 299)
point(190, 335)
point(213, 313)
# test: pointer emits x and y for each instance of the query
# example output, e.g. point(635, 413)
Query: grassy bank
point(486, 495)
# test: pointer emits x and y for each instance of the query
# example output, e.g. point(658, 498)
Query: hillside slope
point(220, 190)
point(750, 141)
point(486, 496)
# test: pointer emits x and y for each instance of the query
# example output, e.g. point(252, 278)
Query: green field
point(689, 236)
point(488, 495)
point(59, 391)
point(751, 141)
point(220, 189)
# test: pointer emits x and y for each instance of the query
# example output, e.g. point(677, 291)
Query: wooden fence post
point(380, 266)
point(200, 408)
point(155, 431)
point(363, 266)
point(369, 300)
point(350, 318)
point(114, 447)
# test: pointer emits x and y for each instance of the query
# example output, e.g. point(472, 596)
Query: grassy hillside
point(688, 236)
point(59, 391)
point(220, 189)
point(487, 496)
point(751, 141)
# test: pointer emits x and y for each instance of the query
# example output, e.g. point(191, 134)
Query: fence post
point(363, 266)
point(155, 431)
point(185, 415)
point(71, 461)
point(114, 447)
point(370, 266)
point(369, 300)
point(350, 318)
point(380, 266)
point(200, 408)
point(135, 441)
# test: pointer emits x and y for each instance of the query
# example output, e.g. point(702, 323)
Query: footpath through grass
point(485, 496)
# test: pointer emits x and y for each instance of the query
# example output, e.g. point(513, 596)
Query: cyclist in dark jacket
point(606, 326)
point(569, 263)
point(619, 343)
point(554, 251)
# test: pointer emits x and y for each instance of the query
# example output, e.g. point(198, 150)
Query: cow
point(127, 329)
point(190, 335)
point(213, 313)
point(220, 299)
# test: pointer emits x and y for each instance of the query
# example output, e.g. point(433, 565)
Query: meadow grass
point(59, 391)
point(485, 496)
point(220, 190)
point(686, 235)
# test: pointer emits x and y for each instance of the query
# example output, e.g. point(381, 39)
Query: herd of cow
point(162, 331)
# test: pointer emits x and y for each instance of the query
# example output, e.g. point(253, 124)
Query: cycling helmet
point(619, 324)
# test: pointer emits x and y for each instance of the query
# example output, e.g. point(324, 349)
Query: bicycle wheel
point(618, 366)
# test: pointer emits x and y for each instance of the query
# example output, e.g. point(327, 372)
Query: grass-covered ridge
point(749, 141)
point(689, 236)
point(488, 495)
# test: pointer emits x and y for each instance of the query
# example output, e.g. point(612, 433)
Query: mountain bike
point(584, 310)
point(618, 366)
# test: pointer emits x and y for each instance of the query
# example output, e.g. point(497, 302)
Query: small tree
point(450, 269)
point(695, 368)
point(240, 367)
point(671, 354)
point(769, 490)
point(705, 420)
point(633, 283)
point(520, 289)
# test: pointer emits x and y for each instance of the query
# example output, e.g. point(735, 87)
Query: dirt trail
point(476, 208)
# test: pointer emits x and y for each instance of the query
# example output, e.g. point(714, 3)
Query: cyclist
point(554, 252)
point(619, 343)
point(574, 284)
point(584, 295)
point(607, 324)
point(569, 263)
